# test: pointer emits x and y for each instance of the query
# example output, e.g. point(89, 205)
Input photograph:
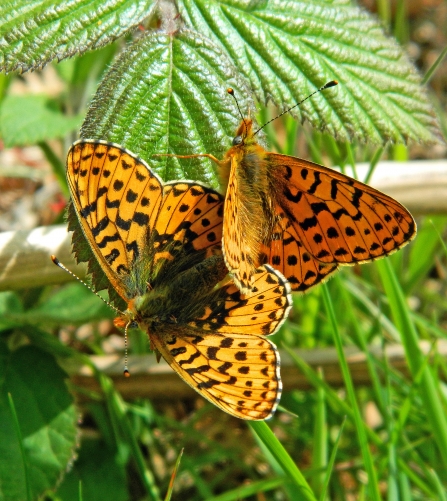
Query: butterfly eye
point(237, 140)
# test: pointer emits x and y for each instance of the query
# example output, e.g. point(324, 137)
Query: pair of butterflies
point(284, 225)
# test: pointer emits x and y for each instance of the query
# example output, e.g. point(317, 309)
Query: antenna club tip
point(54, 259)
point(332, 83)
point(230, 91)
point(126, 372)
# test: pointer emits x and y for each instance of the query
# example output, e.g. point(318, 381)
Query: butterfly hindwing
point(246, 389)
point(261, 312)
point(223, 354)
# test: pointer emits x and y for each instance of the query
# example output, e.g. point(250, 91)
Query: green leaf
point(32, 119)
point(287, 49)
point(167, 94)
point(46, 419)
point(34, 33)
point(10, 305)
point(101, 474)
point(74, 304)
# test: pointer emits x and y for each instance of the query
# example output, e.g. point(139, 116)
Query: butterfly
point(159, 245)
point(304, 219)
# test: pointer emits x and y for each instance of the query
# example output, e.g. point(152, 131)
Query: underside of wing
point(262, 312)
point(237, 373)
point(336, 218)
point(117, 198)
point(238, 253)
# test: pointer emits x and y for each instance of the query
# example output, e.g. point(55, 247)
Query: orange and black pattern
point(160, 246)
point(302, 218)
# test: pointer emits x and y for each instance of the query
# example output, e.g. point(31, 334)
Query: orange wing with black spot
point(288, 255)
point(117, 198)
point(224, 355)
point(304, 219)
point(121, 203)
point(191, 214)
point(337, 219)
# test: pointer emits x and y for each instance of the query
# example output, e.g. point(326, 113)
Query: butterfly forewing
point(191, 214)
point(117, 198)
point(338, 219)
point(236, 245)
point(233, 366)
point(261, 312)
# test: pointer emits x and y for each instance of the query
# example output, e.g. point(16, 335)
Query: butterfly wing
point(336, 218)
point(191, 216)
point(224, 356)
point(242, 229)
point(117, 199)
point(288, 255)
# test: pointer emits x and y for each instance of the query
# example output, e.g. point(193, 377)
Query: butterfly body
point(302, 218)
point(159, 245)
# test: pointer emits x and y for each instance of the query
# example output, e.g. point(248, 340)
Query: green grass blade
point(402, 318)
point(320, 438)
point(277, 450)
point(373, 163)
point(57, 166)
point(434, 66)
point(173, 477)
point(340, 407)
point(330, 466)
point(117, 412)
point(373, 488)
point(442, 496)
point(359, 338)
point(249, 490)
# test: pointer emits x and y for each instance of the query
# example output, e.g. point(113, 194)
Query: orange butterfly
point(159, 245)
point(302, 218)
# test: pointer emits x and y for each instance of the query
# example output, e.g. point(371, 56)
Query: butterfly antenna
point(231, 92)
point(332, 83)
point(126, 359)
point(62, 267)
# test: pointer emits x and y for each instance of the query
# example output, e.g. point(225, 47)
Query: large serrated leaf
point(287, 49)
point(167, 94)
point(46, 418)
point(34, 33)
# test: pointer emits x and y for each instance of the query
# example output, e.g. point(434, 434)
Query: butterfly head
point(244, 133)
